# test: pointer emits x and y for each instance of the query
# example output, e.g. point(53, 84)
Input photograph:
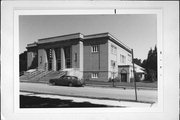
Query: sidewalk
point(144, 96)
point(142, 86)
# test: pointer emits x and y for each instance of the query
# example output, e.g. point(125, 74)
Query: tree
point(151, 65)
point(137, 61)
point(144, 63)
point(23, 61)
point(152, 59)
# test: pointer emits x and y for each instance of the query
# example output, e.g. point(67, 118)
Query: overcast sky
point(138, 32)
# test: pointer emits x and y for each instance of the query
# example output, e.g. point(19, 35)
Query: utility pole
point(134, 75)
point(113, 75)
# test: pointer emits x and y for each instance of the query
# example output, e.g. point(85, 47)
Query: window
point(113, 49)
point(94, 48)
point(122, 59)
point(75, 57)
point(94, 75)
point(40, 59)
point(50, 53)
point(113, 63)
point(33, 55)
point(129, 58)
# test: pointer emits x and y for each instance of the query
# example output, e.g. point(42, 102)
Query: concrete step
point(51, 75)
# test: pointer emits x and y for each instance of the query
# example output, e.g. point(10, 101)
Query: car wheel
point(53, 83)
point(70, 84)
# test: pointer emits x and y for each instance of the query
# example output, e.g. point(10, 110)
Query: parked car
point(67, 80)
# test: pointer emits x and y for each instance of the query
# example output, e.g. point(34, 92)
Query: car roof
point(68, 76)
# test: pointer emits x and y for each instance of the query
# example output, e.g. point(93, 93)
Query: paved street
point(91, 92)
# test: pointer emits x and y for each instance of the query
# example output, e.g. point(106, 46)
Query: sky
point(137, 31)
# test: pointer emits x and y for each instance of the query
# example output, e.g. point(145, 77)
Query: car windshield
point(68, 77)
point(74, 77)
point(62, 77)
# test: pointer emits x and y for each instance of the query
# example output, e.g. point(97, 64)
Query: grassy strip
point(138, 84)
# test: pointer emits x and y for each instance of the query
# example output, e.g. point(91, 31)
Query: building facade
point(94, 57)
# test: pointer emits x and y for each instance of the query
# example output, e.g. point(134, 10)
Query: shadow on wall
point(23, 61)
point(34, 63)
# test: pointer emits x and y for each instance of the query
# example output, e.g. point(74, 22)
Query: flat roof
point(32, 44)
point(60, 38)
point(82, 37)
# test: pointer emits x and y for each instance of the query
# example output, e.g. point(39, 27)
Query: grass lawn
point(138, 84)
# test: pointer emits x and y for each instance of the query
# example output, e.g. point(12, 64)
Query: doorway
point(123, 77)
point(67, 52)
point(58, 58)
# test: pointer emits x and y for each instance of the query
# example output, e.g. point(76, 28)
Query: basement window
point(94, 75)
point(94, 48)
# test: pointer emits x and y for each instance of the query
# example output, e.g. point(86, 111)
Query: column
point(54, 60)
point(81, 57)
point(62, 59)
point(42, 59)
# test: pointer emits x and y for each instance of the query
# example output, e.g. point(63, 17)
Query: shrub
point(131, 79)
point(151, 76)
point(137, 77)
point(116, 79)
point(110, 80)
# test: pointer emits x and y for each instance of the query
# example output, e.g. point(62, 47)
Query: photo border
point(18, 13)
point(84, 111)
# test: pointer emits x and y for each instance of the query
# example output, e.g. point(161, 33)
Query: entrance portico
point(59, 58)
point(56, 58)
point(60, 55)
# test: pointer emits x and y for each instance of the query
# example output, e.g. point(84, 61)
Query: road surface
point(91, 92)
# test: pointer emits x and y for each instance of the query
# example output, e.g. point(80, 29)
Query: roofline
point(84, 37)
point(124, 65)
point(32, 45)
point(60, 36)
point(119, 41)
point(112, 38)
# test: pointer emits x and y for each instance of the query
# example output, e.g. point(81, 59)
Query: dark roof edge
point(32, 45)
point(124, 65)
point(60, 36)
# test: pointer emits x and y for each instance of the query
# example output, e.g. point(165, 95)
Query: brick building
point(93, 57)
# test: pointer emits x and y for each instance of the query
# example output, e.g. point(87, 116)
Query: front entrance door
point(58, 58)
point(67, 52)
point(123, 77)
